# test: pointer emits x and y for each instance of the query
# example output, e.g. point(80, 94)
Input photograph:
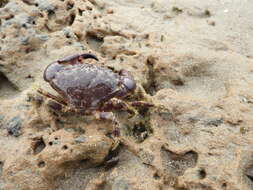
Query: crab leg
point(47, 94)
point(141, 104)
point(118, 104)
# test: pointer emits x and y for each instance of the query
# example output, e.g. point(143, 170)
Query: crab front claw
point(77, 58)
point(88, 56)
point(127, 83)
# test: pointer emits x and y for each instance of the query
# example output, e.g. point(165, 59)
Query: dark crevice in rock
point(41, 164)
point(113, 153)
point(72, 19)
point(249, 173)
point(1, 168)
point(94, 41)
point(3, 3)
point(39, 146)
point(92, 2)
point(48, 28)
point(177, 82)
point(176, 164)
point(177, 10)
point(156, 176)
point(11, 16)
point(250, 177)
point(89, 8)
point(7, 88)
point(141, 129)
point(29, 2)
point(70, 5)
point(65, 147)
point(112, 158)
point(80, 12)
point(202, 174)
point(224, 186)
point(151, 86)
point(51, 14)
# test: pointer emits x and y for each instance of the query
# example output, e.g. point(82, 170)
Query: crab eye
point(129, 84)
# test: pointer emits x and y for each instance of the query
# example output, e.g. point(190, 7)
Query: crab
point(90, 87)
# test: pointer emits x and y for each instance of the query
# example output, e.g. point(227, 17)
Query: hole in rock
point(249, 173)
point(72, 19)
point(39, 146)
point(94, 41)
point(89, 8)
point(202, 174)
point(50, 14)
point(80, 12)
point(1, 167)
point(3, 3)
point(9, 17)
point(141, 131)
point(28, 2)
point(178, 82)
point(84, 161)
point(224, 186)
point(70, 5)
point(65, 147)
point(176, 164)
point(41, 164)
point(156, 176)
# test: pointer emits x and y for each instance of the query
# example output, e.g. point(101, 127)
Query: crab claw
point(88, 56)
point(50, 71)
point(77, 57)
point(127, 82)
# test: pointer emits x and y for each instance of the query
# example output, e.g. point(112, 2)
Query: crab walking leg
point(109, 116)
point(120, 105)
point(106, 116)
point(116, 131)
point(141, 104)
point(47, 94)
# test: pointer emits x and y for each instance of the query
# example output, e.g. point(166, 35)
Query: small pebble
point(80, 139)
point(43, 37)
point(14, 126)
point(45, 5)
point(24, 40)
